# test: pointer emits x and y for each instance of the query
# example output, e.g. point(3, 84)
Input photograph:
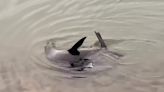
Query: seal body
point(75, 56)
point(63, 56)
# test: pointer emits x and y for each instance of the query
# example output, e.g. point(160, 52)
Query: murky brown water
point(134, 28)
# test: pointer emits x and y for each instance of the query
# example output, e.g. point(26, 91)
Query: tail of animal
point(102, 43)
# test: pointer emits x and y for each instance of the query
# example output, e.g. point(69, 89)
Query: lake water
point(134, 28)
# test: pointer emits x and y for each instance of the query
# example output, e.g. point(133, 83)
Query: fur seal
point(76, 57)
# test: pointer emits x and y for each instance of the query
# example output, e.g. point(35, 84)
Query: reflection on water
point(133, 28)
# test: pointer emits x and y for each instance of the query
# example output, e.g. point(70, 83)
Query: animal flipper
point(74, 49)
point(102, 43)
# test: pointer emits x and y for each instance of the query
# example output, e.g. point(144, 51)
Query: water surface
point(134, 28)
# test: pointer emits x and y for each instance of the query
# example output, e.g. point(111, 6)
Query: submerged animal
point(75, 57)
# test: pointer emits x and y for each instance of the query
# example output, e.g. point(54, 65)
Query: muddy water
point(134, 28)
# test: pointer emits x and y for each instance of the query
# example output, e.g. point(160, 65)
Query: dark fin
point(74, 49)
point(103, 45)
